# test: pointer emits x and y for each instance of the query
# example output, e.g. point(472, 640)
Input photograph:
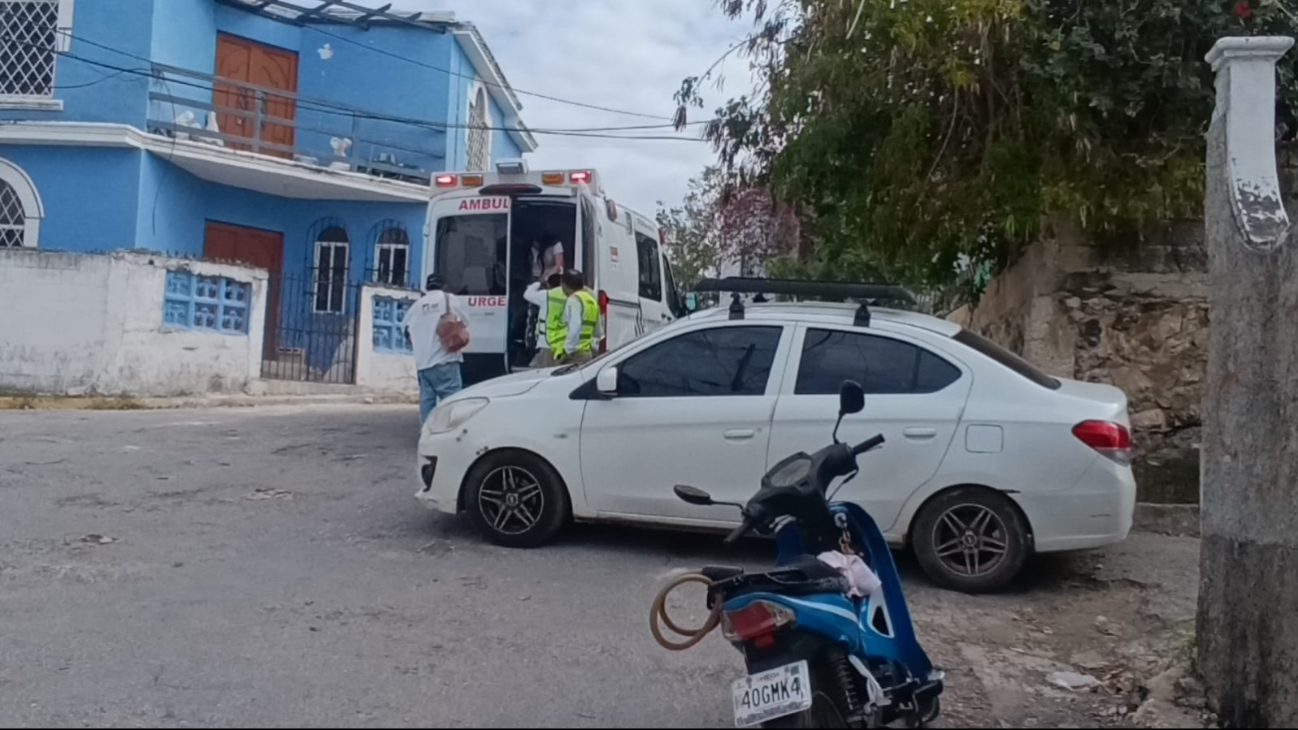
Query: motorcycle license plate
point(772, 694)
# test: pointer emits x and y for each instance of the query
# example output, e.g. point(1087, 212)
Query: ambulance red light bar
point(582, 176)
point(445, 181)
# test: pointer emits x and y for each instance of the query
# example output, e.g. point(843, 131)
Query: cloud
point(622, 54)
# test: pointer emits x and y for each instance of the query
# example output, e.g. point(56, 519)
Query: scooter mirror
point(693, 496)
point(851, 398)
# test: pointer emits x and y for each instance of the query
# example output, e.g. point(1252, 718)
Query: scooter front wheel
point(929, 711)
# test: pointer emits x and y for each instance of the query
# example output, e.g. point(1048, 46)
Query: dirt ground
point(1122, 619)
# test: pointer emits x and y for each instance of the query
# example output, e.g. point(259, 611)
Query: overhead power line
point(328, 107)
point(515, 89)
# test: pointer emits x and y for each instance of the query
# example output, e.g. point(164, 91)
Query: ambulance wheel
point(516, 499)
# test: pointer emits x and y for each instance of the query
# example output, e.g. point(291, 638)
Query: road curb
point(1177, 520)
point(71, 403)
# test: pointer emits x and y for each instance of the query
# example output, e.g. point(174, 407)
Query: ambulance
point(485, 230)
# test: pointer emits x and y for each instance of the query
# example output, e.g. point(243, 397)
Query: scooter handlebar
point(868, 445)
point(739, 532)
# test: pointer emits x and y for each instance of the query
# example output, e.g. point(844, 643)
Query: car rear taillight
point(603, 321)
point(757, 619)
point(1110, 439)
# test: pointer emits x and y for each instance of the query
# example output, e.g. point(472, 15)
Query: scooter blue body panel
point(882, 624)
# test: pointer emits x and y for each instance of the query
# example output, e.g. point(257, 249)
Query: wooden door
point(250, 63)
point(254, 247)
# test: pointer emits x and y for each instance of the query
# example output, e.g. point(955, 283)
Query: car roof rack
point(842, 291)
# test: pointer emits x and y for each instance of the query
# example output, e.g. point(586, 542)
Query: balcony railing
point(242, 116)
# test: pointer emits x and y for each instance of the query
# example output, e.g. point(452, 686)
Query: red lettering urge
point(487, 301)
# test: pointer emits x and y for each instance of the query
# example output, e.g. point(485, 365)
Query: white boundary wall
point(377, 370)
point(91, 323)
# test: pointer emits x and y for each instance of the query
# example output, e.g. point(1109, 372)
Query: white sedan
point(987, 459)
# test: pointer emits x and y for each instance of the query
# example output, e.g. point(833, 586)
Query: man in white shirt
point(439, 370)
point(546, 325)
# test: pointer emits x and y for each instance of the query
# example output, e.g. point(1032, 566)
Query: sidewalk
point(259, 393)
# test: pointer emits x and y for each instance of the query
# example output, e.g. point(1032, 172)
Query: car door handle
point(740, 434)
point(920, 434)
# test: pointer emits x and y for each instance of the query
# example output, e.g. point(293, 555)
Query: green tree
point(915, 134)
point(691, 229)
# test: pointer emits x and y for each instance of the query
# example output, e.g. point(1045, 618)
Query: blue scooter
point(815, 657)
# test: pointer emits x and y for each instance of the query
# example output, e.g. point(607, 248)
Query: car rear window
point(1006, 358)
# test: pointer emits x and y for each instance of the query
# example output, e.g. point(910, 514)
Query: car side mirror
point(691, 302)
point(851, 398)
point(606, 381)
point(693, 495)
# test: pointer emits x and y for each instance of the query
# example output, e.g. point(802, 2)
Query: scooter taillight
point(757, 619)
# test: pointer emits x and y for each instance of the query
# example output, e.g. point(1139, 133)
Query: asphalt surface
point(271, 567)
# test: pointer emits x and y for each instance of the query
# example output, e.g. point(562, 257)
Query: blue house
point(294, 138)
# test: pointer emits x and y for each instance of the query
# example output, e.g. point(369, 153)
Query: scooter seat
point(804, 576)
point(718, 573)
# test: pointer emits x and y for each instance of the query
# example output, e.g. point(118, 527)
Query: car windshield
point(1007, 358)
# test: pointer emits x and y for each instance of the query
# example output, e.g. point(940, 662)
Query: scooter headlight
point(452, 415)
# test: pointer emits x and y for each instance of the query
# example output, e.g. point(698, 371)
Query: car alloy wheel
point(970, 540)
point(511, 500)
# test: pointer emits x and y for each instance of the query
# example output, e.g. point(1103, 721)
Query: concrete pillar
point(1248, 605)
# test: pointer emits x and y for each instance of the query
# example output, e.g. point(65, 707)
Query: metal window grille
point(389, 325)
point(331, 250)
point(392, 257)
point(479, 136)
point(211, 303)
point(13, 221)
point(28, 44)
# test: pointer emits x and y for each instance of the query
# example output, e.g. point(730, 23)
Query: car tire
point(516, 499)
point(971, 540)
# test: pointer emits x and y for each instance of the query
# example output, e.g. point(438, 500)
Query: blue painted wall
point(184, 203)
point(89, 194)
point(457, 101)
point(255, 27)
point(503, 145)
point(93, 93)
point(356, 68)
point(183, 34)
point(99, 199)
point(338, 64)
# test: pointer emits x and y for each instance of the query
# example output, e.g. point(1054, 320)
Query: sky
point(623, 54)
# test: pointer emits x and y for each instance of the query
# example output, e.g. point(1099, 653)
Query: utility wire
point(417, 62)
point(516, 90)
point(328, 107)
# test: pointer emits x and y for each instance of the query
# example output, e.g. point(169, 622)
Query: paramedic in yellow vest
point(549, 300)
point(580, 319)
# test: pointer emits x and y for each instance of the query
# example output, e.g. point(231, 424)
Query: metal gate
point(315, 336)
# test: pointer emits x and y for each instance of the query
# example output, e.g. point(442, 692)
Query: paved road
point(270, 567)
